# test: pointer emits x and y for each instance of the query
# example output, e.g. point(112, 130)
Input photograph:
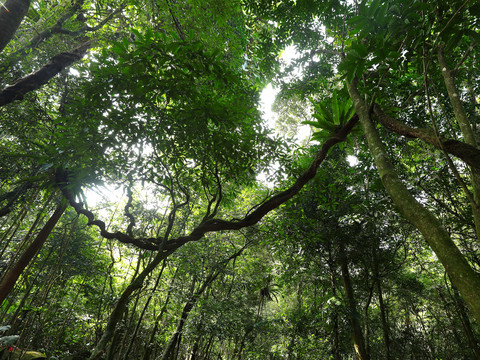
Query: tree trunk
point(130, 345)
point(467, 327)
point(12, 13)
point(122, 303)
point(467, 131)
point(463, 276)
point(148, 350)
point(383, 317)
point(336, 341)
point(169, 351)
point(354, 316)
point(11, 278)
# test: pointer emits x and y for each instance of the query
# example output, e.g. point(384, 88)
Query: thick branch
point(55, 29)
point(12, 13)
point(468, 153)
point(212, 225)
point(40, 77)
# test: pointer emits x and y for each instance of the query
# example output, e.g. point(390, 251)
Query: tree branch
point(12, 13)
point(468, 153)
point(40, 77)
point(211, 225)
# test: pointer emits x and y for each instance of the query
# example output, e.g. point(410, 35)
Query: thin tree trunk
point(208, 348)
point(467, 327)
point(33, 227)
point(11, 278)
point(122, 303)
point(354, 316)
point(463, 276)
point(194, 350)
point(129, 321)
point(130, 345)
point(149, 347)
point(366, 327)
point(336, 342)
point(169, 351)
point(383, 317)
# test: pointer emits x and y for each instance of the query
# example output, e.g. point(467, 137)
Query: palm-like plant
point(330, 115)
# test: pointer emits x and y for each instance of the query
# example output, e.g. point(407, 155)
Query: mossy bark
point(466, 128)
point(463, 276)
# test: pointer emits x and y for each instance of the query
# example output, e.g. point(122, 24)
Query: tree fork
point(463, 276)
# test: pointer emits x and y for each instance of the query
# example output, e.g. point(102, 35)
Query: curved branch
point(468, 153)
point(211, 225)
point(215, 225)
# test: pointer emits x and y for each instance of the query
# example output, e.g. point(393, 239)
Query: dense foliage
point(147, 211)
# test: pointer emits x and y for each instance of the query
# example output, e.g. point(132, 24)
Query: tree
point(376, 54)
point(163, 108)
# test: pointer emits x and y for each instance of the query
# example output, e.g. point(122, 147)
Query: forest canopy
point(223, 238)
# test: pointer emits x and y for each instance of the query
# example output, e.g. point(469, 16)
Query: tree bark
point(148, 348)
point(383, 316)
point(467, 327)
point(12, 13)
point(139, 322)
point(465, 127)
point(11, 278)
point(122, 303)
point(40, 77)
point(174, 340)
point(354, 316)
point(467, 152)
point(463, 276)
point(336, 340)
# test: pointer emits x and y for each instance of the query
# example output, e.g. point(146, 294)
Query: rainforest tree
point(159, 100)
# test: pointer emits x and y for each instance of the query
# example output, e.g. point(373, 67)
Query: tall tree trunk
point(122, 303)
point(130, 345)
point(129, 321)
point(467, 327)
point(149, 347)
point(354, 316)
point(11, 278)
point(12, 13)
point(383, 316)
point(463, 276)
point(336, 342)
point(18, 221)
point(467, 131)
point(169, 351)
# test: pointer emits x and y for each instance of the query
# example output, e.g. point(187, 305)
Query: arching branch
point(214, 225)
